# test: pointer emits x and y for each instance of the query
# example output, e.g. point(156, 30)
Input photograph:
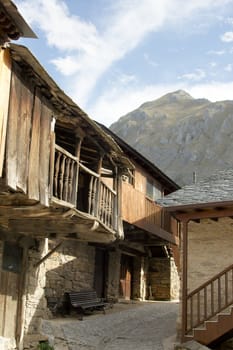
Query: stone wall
point(163, 278)
point(210, 247)
point(34, 302)
point(174, 281)
point(71, 267)
point(113, 275)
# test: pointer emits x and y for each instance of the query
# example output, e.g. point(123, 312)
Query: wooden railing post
point(97, 195)
point(211, 297)
point(77, 154)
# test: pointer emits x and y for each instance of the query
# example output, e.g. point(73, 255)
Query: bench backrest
point(82, 296)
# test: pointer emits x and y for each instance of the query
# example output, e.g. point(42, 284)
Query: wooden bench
point(85, 300)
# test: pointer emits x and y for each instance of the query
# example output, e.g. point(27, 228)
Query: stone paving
point(127, 326)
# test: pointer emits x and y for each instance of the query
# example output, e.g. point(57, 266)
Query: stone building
point(204, 211)
point(53, 161)
point(66, 192)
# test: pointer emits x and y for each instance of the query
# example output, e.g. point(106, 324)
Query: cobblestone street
point(127, 326)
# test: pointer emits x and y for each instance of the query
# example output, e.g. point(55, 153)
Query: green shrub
point(44, 346)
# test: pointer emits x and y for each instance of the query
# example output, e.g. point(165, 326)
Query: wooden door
point(126, 273)
point(10, 281)
point(9, 287)
point(101, 264)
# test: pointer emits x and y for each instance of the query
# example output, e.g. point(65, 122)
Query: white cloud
point(150, 61)
point(197, 75)
point(213, 64)
point(228, 67)
point(87, 52)
point(216, 52)
point(227, 37)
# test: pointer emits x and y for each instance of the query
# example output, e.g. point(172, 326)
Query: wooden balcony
point(141, 211)
point(77, 186)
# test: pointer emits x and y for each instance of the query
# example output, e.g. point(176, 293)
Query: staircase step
point(191, 345)
point(214, 329)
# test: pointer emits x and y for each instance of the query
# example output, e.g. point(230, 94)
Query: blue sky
point(110, 56)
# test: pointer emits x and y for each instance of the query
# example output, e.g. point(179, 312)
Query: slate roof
point(132, 153)
point(215, 189)
point(65, 107)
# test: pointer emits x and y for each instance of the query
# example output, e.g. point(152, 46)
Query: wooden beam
point(214, 219)
point(212, 213)
point(48, 254)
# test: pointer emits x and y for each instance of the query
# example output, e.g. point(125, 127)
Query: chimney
point(194, 177)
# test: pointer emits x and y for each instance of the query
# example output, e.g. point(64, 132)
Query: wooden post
point(75, 184)
point(184, 252)
point(97, 194)
point(52, 157)
point(5, 83)
point(21, 300)
point(118, 226)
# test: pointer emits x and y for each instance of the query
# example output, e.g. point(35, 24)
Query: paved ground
point(128, 326)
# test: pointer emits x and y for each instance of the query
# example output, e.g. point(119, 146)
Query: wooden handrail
point(89, 171)
point(68, 154)
point(209, 299)
point(210, 280)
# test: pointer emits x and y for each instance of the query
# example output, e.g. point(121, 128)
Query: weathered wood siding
point(28, 139)
point(136, 207)
point(5, 78)
point(139, 210)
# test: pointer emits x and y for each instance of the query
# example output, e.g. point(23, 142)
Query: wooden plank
point(45, 134)
point(21, 299)
point(5, 82)
point(12, 132)
point(3, 283)
point(11, 305)
point(34, 160)
point(23, 139)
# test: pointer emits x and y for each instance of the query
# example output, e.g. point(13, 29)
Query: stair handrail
point(209, 299)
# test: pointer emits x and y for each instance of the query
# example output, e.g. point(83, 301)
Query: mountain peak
point(177, 96)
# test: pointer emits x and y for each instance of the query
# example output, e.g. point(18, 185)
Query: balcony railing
point(94, 197)
point(65, 176)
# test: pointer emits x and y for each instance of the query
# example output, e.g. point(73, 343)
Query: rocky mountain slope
point(181, 135)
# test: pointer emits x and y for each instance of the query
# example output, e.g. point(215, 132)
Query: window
point(153, 190)
point(129, 178)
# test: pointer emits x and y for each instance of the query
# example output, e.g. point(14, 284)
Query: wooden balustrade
point(100, 197)
point(65, 176)
point(107, 201)
point(209, 299)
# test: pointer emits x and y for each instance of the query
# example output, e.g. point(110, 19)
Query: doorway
point(126, 273)
point(101, 268)
point(11, 276)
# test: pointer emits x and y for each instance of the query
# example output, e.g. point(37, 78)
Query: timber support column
point(184, 282)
